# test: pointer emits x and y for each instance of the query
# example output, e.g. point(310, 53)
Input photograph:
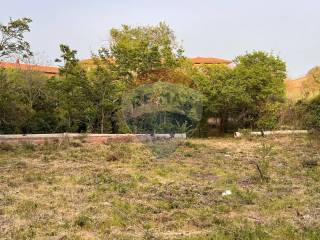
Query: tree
point(311, 84)
point(261, 75)
point(225, 97)
point(25, 103)
point(12, 38)
point(312, 109)
point(243, 94)
point(138, 51)
point(9, 104)
point(107, 92)
point(73, 93)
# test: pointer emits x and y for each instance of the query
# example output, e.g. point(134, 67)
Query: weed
point(188, 154)
point(26, 208)
point(6, 200)
point(76, 143)
point(83, 221)
point(190, 144)
point(246, 197)
point(120, 183)
point(310, 163)
point(119, 151)
point(112, 158)
point(19, 164)
point(6, 147)
point(23, 233)
point(266, 152)
point(28, 146)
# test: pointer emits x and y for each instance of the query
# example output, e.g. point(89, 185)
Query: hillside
point(303, 87)
point(121, 191)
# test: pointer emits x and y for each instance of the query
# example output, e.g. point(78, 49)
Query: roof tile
point(31, 67)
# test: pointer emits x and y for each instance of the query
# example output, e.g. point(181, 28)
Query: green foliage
point(269, 116)
point(162, 108)
point(107, 92)
point(266, 153)
point(9, 104)
point(225, 96)
point(74, 92)
point(25, 94)
point(313, 113)
point(139, 50)
point(12, 38)
point(262, 77)
point(247, 94)
point(89, 100)
point(83, 221)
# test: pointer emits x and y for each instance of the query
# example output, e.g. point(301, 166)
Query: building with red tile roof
point(209, 60)
point(48, 70)
point(195, 61)
point(52, 71)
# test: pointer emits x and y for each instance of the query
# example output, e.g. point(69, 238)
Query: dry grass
point(301, 88)
point(122, 191)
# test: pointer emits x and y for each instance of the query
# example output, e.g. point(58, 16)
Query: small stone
point(226, 193)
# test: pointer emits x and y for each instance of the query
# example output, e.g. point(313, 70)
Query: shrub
point(313, 112)
point(28, 146)
point(293, 115)
point(83, 221)
point(269, 116)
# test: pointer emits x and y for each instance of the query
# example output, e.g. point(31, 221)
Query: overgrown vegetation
point(88, 98)
point(124, 191)
point(249, 188)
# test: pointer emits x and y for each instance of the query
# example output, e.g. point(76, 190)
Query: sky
point(207, 28)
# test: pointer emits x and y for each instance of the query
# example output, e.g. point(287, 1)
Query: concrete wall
point(89, 138)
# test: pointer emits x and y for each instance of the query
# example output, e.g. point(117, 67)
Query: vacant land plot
point(122, 191)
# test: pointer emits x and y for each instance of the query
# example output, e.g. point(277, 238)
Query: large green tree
point(312, 108)
point(261, 75)
point(73, 93)
point(139, 51)
point(225, 97)
point(107, 93)
point(12, 42)
point(25, 102)
point(246, 93)
point(9, 104)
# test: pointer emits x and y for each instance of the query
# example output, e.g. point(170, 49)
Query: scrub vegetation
point(125, 191)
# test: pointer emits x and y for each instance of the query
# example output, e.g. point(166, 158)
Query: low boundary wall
point(89, 138)
point(268, 133)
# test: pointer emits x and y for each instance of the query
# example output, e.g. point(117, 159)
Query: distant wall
point(89, 138)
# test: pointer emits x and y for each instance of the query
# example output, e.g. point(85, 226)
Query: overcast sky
point(217, 28)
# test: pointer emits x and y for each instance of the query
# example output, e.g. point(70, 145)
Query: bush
point(293, 115)
point(313, 113)
point(83, 221)
point(269, 116)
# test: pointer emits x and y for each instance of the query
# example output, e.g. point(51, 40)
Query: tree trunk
point(113, 119)
point(102, 120)
point(223, 124)
point(69, 122)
